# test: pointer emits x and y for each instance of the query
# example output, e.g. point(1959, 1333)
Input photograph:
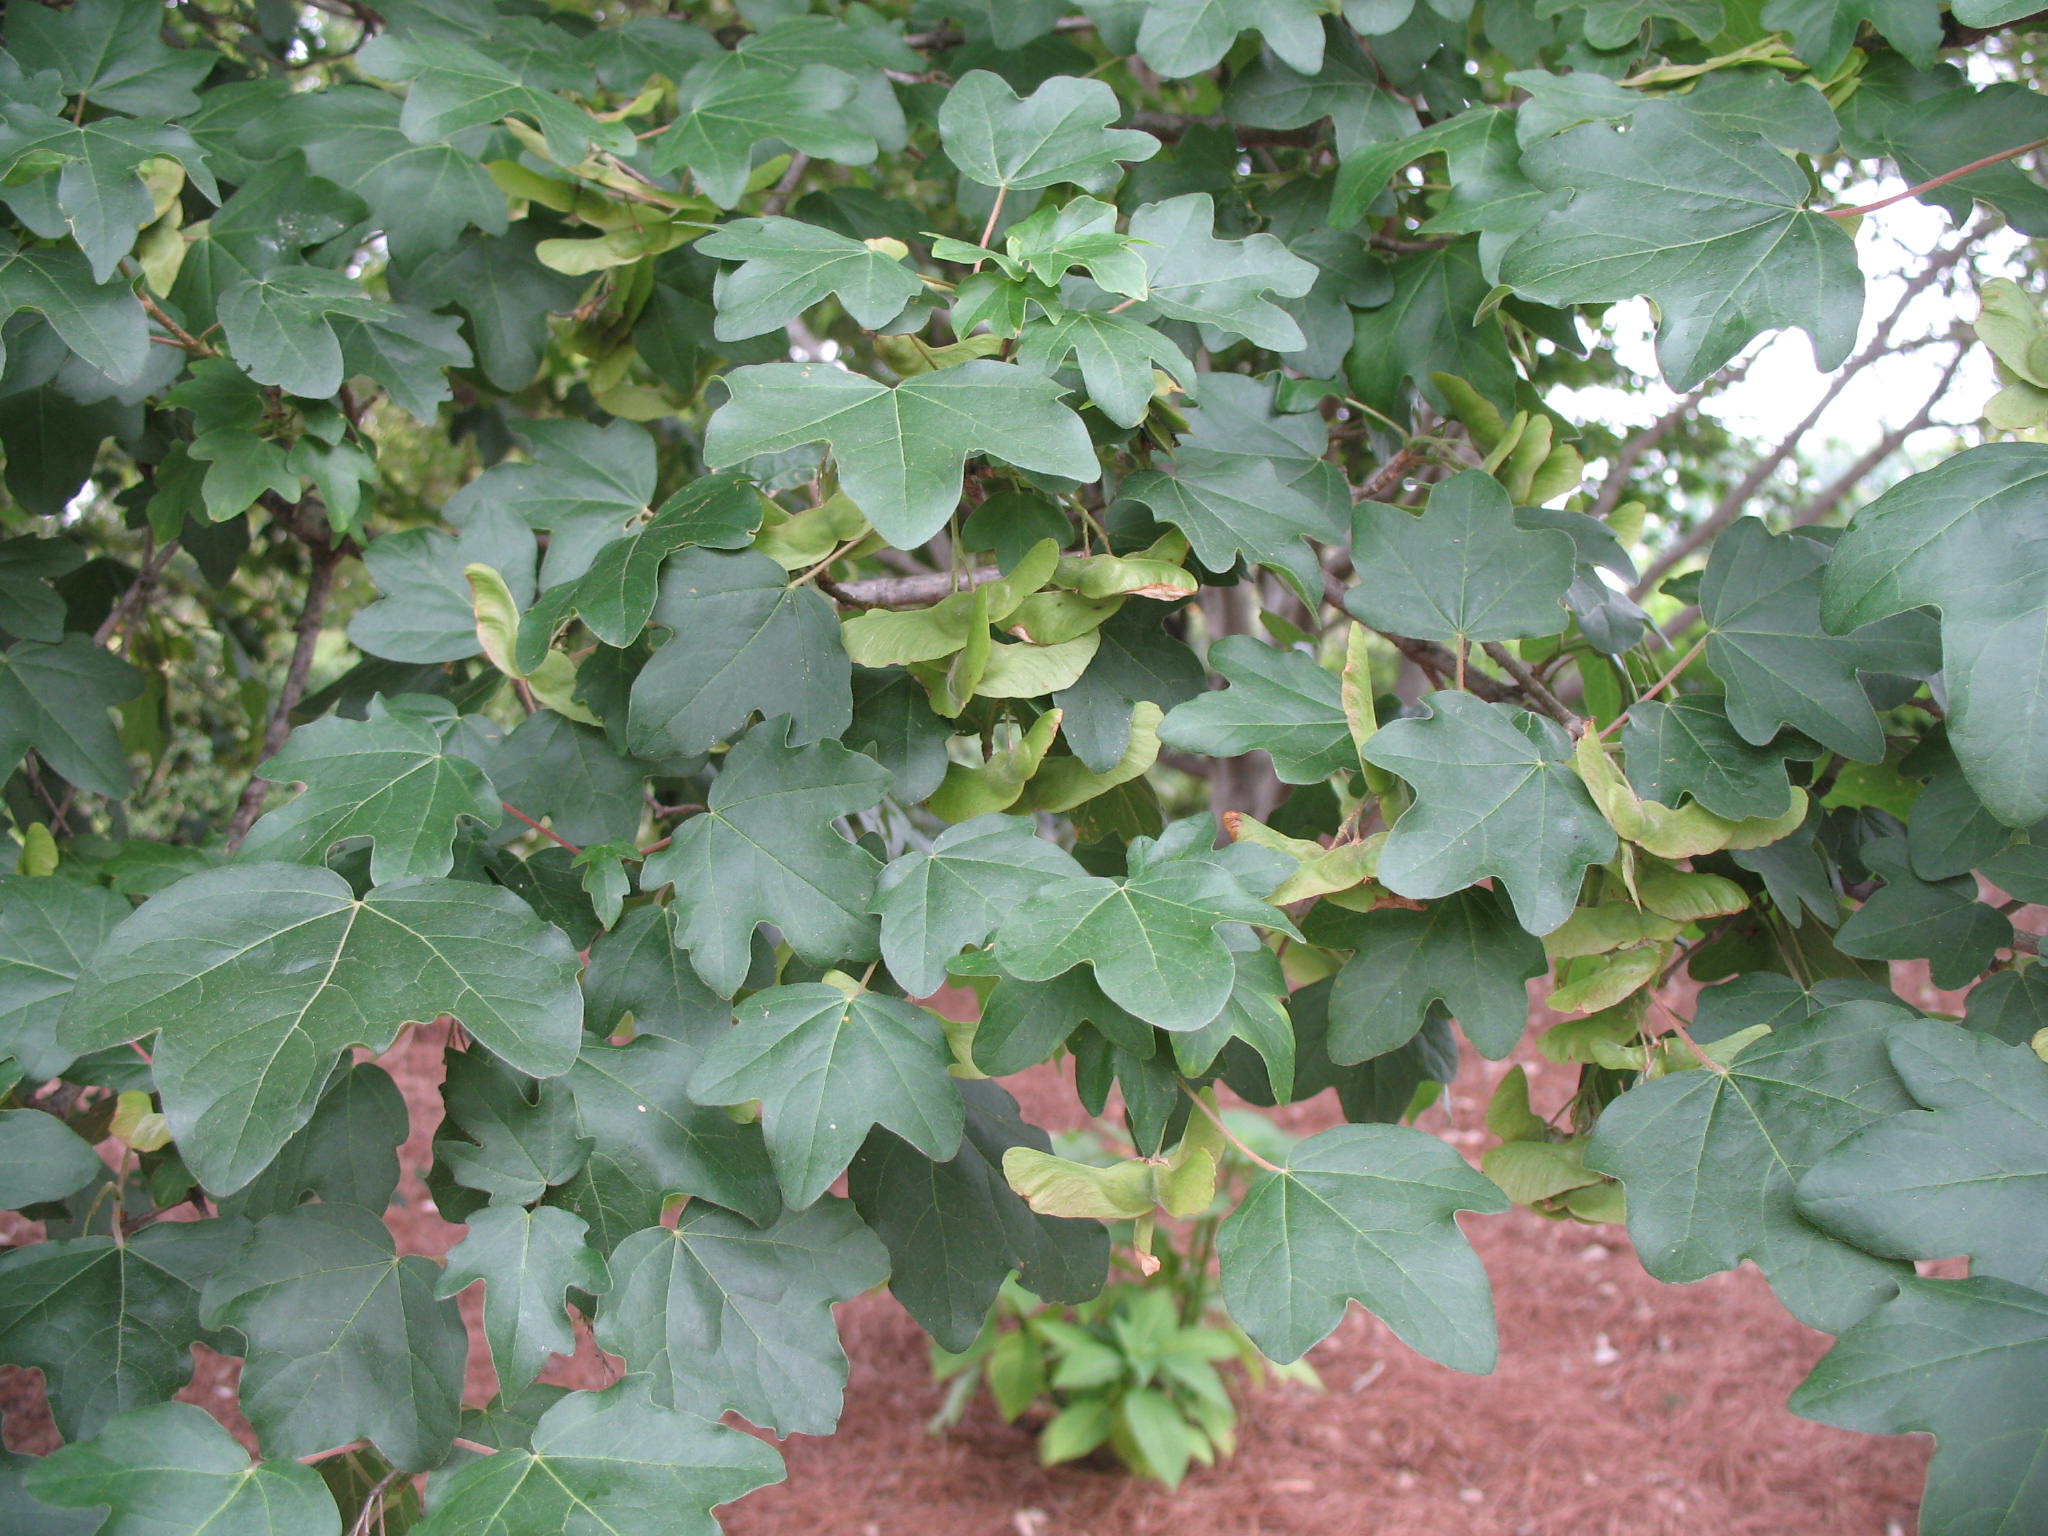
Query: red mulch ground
point(1622, 1407)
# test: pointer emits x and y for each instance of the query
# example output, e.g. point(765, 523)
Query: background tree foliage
point(696, 529)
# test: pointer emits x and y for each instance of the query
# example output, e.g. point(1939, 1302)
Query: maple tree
point(642, 546)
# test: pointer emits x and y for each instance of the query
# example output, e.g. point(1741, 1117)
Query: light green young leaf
point(256, 977)
point(1365, 1213)
point(1059, 133)
point(900, 451)
point(786, 266)
point(1115, 353)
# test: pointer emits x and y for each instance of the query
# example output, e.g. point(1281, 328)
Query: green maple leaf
point(1059, 133)
point(893, 723)
point(1346, 89)
point(612, 1458)
point(109, 1324)
point(1232, 504)
point(935, 902)
point(49, 929)
point(29, 609)
point(2011, 1006)
point(526, 1260)
point(505, 1135)
point(99, 190)
point(346, 1339)
point(1823, 31)
point(455, 86)
point(499, 282)
point(1224, 284)
point(955, 1230)
point(742, 641)
point(900, 451)
point(729, 103)
point(112, 53)
point(553, 767)
point(764, 852)
point(1365, 1213)
point(172, 1469)
point(1432, 324)
point(1961, 1360)
point(727, 1316)
point(1048, 244)
point(347, 1154)
point(425, 611)
point(1495, 795)
point(650, 1140)
point(1745, 256)
point(1186, 37)
point(277, 325)
point(1461, 571)
point(255, 978)
point(827, 1066)
point(1951, 833)
point(1465, 951)
point(639, 969)
point(1381, 1089)
point(1620, 23)
point(104, 325)
point(1762, 599)
point(586, 486)
point(1940, 921)
point(1945, 539)
point(1115, 353)
point(1023, 1023)
point(1135, 662)
point(389, 778)
point(421, 194)
point(1256, 1015)
point(786, 266)
point(1710, 1159)
point(54, 700)
point(1964, 1174)
point(1688, 747)
point(615, 597)
point(1278, 701)
point(1150, 938)
point(41, 1158)
point(1934, 122)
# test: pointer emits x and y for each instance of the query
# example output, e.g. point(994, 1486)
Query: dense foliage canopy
point(698, 530)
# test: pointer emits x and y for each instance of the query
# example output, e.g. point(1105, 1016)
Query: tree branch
point(319, 588)
point(909, 591)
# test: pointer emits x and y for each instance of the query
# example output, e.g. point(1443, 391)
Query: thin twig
point(1528, 682)
point(799, 162)
point(1935, 181)
point(1658, 686)
point(152, 567)
point(518, 815)
point(319, 588)
point(373, 1503)
point(1228, 1135)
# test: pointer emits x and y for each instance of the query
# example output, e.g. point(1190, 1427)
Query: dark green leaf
point(104, 325)
point(569, 773)
point(1495, 795)
point(172, 1469)
point(347, 1154)
point(256, 977)
point(726, 1316)
point(742, 642)
point(765, 852)
point(527, 1261)
point(786, 266)
point(346, 1339)
point(955, 1230)
point(731, 101)
point(899, 451)
point(1941, 922)
point(54, 700)
point(1278, 701)
point(934, 903)
point(505, 1135)
point(111, 52)
point(1761, 599)
point(41, 1158)
point(1688, 747)
point(455, 86)
point(826, 1066)
point(498, 281)
point(1362, 1212)
point(1135, 662)
point(49, 929)
point(1465, 951)
point(425, 612)
point(1185, 37)
point(1059, 133)
point(1115, 353)
point(1710, 1159)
